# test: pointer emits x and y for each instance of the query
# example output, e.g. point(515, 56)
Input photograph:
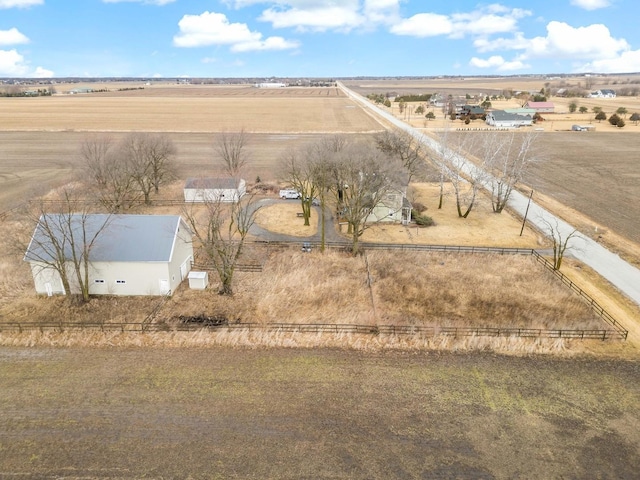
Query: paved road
point(609, 265)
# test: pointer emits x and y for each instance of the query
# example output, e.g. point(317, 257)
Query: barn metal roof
point(124, 238)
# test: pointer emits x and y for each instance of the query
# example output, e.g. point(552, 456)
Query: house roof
point(124, 238)
point(200, 183)
point(473, 109)
point(540, 104)
point(521, 111)
point(501, 115)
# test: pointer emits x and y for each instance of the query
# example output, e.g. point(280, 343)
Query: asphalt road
point(610, 266)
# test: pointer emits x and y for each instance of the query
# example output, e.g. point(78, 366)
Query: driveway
point(331, 236)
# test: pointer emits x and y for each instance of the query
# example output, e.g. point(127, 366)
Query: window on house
point(121, 281)
point(98, 281)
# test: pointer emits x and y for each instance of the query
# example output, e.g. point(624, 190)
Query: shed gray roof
point(212, 183)
point(125, 238)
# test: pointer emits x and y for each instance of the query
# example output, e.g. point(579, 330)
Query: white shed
point(228, 190)
point(132, 255)
point(198, 280)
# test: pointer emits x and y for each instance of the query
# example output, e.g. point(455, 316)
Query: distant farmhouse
point(227, 190)
point(467, 110)
point(77, 91)
point(605, 93)
point(270, 85)
point(132, 255)
point(502, 119)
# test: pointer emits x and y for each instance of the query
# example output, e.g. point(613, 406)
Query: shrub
point(422, 220)
point(614, 119)
point(620, 123)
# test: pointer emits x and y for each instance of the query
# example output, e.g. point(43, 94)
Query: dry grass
point(257, 339)
point(283, 218)
point(472, 290)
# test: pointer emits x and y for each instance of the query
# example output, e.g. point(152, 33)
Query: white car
point(289, 194)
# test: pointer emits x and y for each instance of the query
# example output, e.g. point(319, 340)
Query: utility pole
point(526, 213)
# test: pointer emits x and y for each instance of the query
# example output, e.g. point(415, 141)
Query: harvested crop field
point(255, 110)
point(34, 162)
point(291, 414)
point(597, 174)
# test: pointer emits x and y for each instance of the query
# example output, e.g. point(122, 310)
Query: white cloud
point(498, 63)
point(19, 3)
point(42, 73)
point(343, 17)
point(424, 25)
point(210, 28)
point(626, 62)
point(482, 22)
point(146, 2)
point(591, 4)
point(12, 64)
point(12, 37)
point(271, 43)
point(593, 42)
point(323, 15)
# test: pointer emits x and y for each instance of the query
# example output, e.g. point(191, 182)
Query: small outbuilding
point(227, 190)
point(198, 280)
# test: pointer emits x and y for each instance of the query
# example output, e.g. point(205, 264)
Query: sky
point(316, 38)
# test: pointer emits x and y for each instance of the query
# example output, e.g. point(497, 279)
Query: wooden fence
point(315, 328)
point(593, 304)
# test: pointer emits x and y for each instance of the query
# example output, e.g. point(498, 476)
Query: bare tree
point(123, 172)
point(63, 241)
point(322, 156)
point(508, 156)
point(109, 173)
point(150, 161)
point(559, 239)
point(161, 153)
point(297, 170)
point(363, 176)
point(466, 178)
point(221, 230)
point(231, 150)
point(405, 147)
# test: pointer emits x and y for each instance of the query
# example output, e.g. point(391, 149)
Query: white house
point(394, 207)
point(502, 119)
point(604, 93)
point(132, 255)
point(228, 190)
